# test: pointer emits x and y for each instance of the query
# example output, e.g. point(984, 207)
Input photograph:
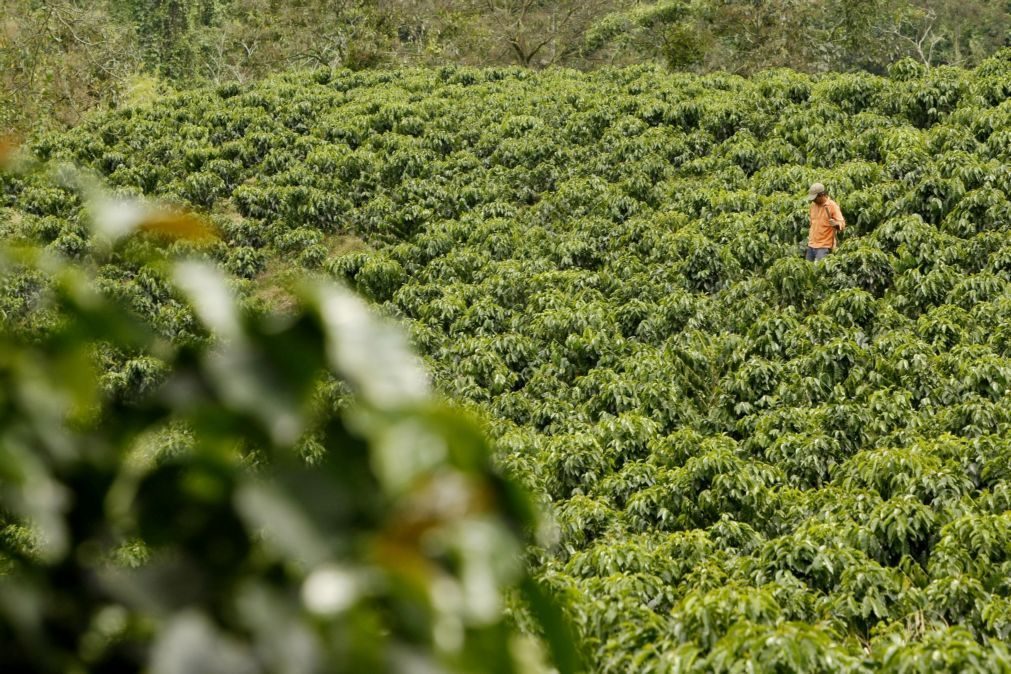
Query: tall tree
point(530, 33)
point(807, 35)
point(540, 32)
point(261, 36)
point(59, 59)
point(166, 31)
point(956, 32)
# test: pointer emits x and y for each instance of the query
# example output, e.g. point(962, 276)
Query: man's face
point(820, 199)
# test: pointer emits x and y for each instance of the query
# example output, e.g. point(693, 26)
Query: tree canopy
point(59, 59)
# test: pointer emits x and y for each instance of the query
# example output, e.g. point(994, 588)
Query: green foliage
point(225, 505)
point(750, 459)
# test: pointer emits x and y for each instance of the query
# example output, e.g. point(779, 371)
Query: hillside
point(748, 457)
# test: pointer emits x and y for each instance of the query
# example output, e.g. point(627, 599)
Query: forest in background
point(60, 59)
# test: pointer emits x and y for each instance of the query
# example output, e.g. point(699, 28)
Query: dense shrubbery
point(748, 457)
point(276, 493)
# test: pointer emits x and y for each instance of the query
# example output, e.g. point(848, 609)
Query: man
point(826, 220)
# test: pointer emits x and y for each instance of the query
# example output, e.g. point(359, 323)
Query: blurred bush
point(282, 495)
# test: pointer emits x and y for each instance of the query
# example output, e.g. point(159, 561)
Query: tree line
point(62, 58)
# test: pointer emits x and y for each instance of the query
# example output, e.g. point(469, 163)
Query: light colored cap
point(814, 191)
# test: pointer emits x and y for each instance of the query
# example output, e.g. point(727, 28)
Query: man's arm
point(835, 216)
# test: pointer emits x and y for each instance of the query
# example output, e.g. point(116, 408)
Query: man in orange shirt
point(826, 220)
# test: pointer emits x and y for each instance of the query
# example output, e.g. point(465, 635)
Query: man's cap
point(814, 191)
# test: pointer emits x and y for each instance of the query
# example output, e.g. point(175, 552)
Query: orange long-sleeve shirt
point(822, 234)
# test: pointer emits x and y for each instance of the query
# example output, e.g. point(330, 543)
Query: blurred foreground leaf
point(182, 530)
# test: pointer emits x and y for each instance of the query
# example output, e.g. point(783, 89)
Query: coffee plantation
point(749, 462)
